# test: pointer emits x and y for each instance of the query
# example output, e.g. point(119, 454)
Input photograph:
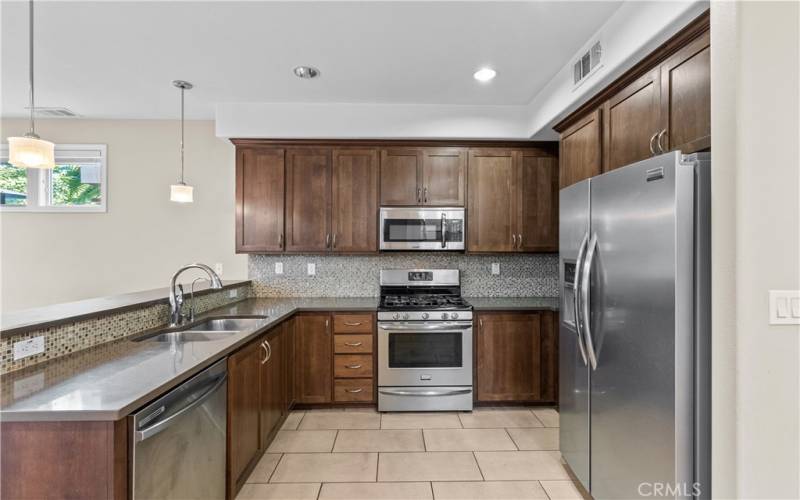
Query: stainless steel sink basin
point(226, 324)
point(208, 330)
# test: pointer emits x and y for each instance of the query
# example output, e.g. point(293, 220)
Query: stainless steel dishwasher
point(178, 441)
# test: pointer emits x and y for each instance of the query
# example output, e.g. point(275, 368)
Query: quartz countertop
point(112, 380)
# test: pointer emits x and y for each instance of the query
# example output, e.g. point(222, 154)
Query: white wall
point(756, 247)
point(48, 258)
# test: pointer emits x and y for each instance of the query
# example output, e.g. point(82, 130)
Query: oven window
point(397, 230)
point(425, 350)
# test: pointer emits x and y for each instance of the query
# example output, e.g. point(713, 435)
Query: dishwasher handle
point(189, 403)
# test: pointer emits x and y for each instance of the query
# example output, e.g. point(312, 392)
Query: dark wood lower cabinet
point(272, 377)
point(313, 353)
point(243, 414)
point(515, 353)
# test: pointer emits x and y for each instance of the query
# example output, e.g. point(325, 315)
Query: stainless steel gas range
point(424, 342)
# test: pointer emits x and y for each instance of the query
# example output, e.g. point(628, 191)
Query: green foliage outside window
point(69, 190)
point(13, 184)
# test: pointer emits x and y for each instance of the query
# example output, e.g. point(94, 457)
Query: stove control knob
point(405, 315)
point(425, 315)
point(454, 315)
point(444, 316)
point(396, 316)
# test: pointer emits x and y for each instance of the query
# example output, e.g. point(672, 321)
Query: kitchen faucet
point(176, 291)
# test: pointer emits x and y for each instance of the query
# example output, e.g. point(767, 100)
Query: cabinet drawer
point(352, 323)
point(347, 344)
point(352, 365)
point(353, 390)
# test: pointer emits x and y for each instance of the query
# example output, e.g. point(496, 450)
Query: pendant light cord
point(182, 120)
point(30, 61)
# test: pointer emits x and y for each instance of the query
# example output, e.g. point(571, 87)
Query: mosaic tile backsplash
point(533, 275)
point(67, 338)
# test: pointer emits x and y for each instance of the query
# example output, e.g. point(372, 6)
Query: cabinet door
point(509, 357)
point(686, 97)
point(444, 172)
point(549, 334)
point(580, 150)
point(631, 122)
point(289, 365)
point(243, 412)
point(259, 200)
point(313, 358)
point(537, 203)
point(272, 391)
point(355, 200)
point(399, 173)
point(308, 200)
point(491, 214)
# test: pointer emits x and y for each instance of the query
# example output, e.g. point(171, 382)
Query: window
point(77, 184)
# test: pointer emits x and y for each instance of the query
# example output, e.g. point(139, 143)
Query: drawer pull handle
point(353, 344)
point(355, 323)
point(354, 391)
point(353, 367)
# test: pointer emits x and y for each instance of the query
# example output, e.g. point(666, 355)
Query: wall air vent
point(53, 112)
point(586, 63)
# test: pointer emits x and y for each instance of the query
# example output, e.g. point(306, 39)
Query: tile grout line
point(335, 437)
point(276, 468)
point(424, 441)
point(545, 491)
point(319, 491)
point(433, 495)
point(512, 439)
point(475, 457)
point(377, 466)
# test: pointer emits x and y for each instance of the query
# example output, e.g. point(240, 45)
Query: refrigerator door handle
point(584, 292)
point(576, 296)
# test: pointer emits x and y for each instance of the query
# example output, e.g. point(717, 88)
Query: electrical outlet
point(218, 268)
point(495, 269)
point(25, 348)
point(312, 269)
point(279, 268)
point(232, 294)
point(784, 307)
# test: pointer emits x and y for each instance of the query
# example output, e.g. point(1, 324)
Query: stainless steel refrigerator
point(635, 329)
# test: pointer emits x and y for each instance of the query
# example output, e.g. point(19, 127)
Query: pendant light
point(29, 151)
point(181, 192)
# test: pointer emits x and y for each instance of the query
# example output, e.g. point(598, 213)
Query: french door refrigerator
point(635, 329)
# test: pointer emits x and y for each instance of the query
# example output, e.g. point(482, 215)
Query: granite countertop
point(110, 381)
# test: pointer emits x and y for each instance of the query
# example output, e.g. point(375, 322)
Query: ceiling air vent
point(53, 112)
point(586, 63)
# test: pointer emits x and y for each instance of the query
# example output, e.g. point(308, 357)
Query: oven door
point(425, 354)
point(422, 229)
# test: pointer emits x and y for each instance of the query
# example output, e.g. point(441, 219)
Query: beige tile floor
point(491, 453)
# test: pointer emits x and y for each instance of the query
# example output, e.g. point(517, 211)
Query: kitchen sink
point(207, 330)
point(227, 324)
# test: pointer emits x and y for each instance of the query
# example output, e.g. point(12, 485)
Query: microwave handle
point(444, 230)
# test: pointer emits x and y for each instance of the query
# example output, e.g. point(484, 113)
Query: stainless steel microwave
point(422, 228)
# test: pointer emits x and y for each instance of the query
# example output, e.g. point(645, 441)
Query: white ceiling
point(111, 59)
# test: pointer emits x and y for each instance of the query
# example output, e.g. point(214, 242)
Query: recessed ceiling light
point(485, 74)
point(306, 72)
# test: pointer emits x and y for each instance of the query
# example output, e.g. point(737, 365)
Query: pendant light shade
point(29, 151)
point(181, 192)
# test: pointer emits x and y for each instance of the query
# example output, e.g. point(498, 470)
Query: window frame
point(39, 180)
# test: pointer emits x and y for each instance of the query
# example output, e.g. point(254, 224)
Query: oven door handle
point(439, 326)
point(424, 392)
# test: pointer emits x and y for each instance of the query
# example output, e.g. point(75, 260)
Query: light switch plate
point(495, 269)
point(29, 347)
point(312, 269)
point(279, 268)
point(784, 307)
point(232, 294)
point(218, 268)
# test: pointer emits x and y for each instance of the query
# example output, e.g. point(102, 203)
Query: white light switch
point(218, 268)
point(784, 307)
point(495, 269)
point(279, 268)
point(312, 269)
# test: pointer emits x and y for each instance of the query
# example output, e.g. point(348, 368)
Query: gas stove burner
point(424, 301)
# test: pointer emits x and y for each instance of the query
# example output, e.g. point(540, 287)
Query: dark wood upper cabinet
point(537, 203)
point(508, 351)
point(686, 97)
point(491, 209)
point(243, 413)
point(581, 147)
point(259, 199)
point(444, 173)
point(355, 200)
point(631, 122)
point(308, 200)
point(399, 177)
point(313, 376)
